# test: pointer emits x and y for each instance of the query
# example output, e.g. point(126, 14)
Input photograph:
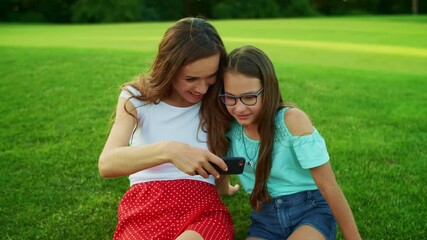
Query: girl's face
point(193, 81)
point(237, 84)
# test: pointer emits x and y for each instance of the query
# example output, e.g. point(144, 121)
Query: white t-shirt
point(163, 122)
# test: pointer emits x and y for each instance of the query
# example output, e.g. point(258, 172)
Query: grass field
point(362, 80)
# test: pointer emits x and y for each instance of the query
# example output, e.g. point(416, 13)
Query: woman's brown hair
point(188, 40)
point(251, 62)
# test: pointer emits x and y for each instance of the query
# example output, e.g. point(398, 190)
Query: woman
point(157, 140)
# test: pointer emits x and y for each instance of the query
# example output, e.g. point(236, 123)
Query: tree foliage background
point(97, 11)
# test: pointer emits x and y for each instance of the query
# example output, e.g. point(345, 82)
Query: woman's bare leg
point(190, 235)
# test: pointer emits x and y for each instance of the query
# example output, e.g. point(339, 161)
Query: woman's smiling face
point(193, 81)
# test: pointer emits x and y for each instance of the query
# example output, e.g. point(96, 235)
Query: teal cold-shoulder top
point(293, 156)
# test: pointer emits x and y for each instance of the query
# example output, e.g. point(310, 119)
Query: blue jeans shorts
point(283, 215)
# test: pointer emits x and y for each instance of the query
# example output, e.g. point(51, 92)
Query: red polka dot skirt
point(162, 210)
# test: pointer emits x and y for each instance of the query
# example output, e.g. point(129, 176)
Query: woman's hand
point(193, 160)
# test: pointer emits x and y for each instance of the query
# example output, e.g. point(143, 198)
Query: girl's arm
point(299, 124)
point(119, 159)
point(328, 186)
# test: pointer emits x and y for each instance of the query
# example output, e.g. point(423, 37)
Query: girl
point(158, 141)
point(291, 184)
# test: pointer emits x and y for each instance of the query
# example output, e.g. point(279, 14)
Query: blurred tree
point(20, 11)
point(223, 10)
point(198, 8)
point(246, 9)
point(296, 8)
point(94, 11)
point(339, 7)
point(166, 9)
point(56, 10)
point(334, 7)
point(393, 7)
point(414, 7)
point(369, 6)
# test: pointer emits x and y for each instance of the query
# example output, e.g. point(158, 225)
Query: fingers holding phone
point(214, 166)
point(193, 160)
point(234, 165)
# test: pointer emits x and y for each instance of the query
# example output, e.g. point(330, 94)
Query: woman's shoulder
point(133, 100)
point(129, 90)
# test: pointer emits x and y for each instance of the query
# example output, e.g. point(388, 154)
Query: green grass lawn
point(362, 80)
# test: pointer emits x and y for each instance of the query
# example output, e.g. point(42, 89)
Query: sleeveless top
point(163, 122)
point(293, 156)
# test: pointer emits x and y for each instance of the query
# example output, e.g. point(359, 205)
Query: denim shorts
point(283, 215)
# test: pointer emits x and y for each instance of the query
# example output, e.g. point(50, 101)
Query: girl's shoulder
point(235, 131)
point(292, 122)
point(297, 122)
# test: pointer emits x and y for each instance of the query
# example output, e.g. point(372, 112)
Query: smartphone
point(235, 165)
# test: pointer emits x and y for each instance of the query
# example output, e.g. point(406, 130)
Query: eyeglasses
point(247, 99)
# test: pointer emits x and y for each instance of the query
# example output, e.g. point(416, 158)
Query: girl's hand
point(224, 187)
point(232, 189)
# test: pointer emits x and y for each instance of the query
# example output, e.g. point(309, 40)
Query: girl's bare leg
point(306, 232)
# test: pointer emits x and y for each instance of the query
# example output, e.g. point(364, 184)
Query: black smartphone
point(235, 165)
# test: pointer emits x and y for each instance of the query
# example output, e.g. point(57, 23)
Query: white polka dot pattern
point(162, 210)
